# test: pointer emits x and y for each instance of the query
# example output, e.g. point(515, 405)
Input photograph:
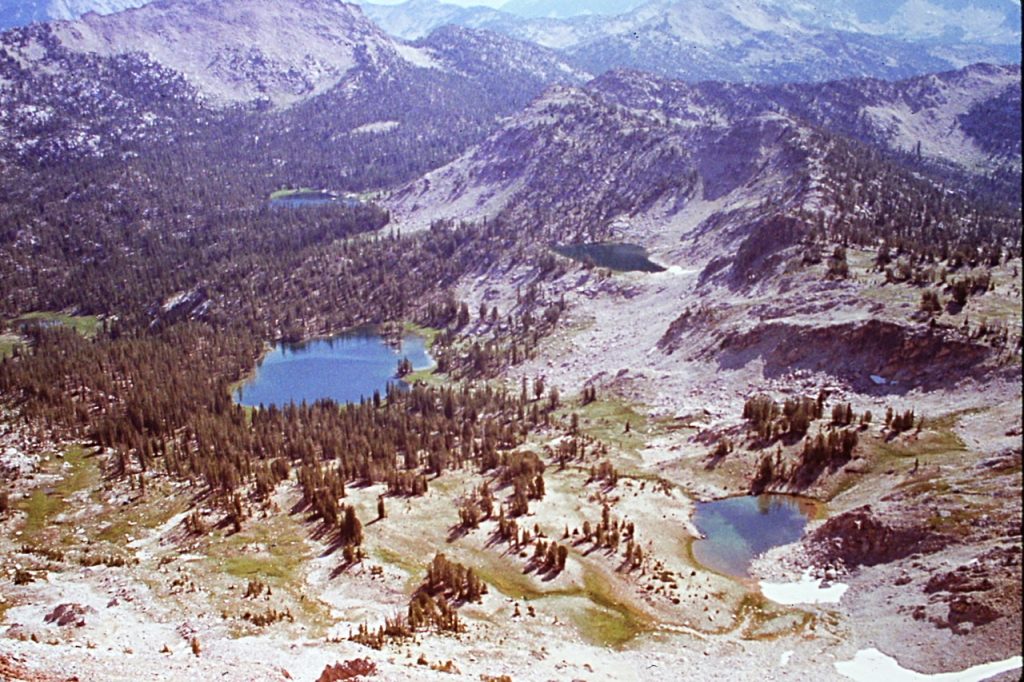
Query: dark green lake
point(737, 529)
point(345, 368)
point(616, 256)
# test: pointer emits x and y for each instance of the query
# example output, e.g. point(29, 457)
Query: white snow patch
point(174, 301)
point(376, 127)
point(677, 271)
point(808, 590)
point(870, 665)
point(784, 658)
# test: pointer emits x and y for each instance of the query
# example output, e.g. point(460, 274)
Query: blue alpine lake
point(737, 529)
point(345, 368)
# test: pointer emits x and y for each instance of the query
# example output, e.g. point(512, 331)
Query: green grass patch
point(147, 512)
point(282, 551)
point(258, 567)
point(957, 522)
point(43, 504)
point(8, 342)
point(393, 558)
point(40, 508)
point(607, 420)
point(430, 334)
point(83, 471)
point(116, 533)
point(86, 325)
point(274, 551)
point(605, 620)
point(937, 441)
point(606, 627)
point(926, 484)
point(512, 582)
point(427, 375)
point(615, 623)
point(762, 620)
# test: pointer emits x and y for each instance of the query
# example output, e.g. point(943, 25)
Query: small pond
point(311, 198)
point(345, 368)
point(616, 256)
point(737, 529)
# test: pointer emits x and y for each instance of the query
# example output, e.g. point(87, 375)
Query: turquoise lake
point(313, 199)
point(344, 368)
point(737, 529)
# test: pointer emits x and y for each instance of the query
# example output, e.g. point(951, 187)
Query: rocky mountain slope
point(707, 40)
point(628, 140)
point(15, 13)
point(235, 51)
point(795, 261)
point(59, 105)
point(88, 135)
point(416, 18)
point(568, 8)
point(963, 121)
point(995, 22)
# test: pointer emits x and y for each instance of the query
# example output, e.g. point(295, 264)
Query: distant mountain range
point(985, 21)
point(341, 77)
point(757, 41)
point(991, 22)
point(760, 41)
point(563, 9)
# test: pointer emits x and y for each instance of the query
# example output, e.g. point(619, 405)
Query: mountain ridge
point(708, 120)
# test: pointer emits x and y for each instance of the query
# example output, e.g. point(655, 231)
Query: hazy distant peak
point(562, 9)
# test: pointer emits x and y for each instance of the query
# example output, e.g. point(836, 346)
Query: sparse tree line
point(923, 232)
point(879, 205)
point(433, 606)
point(830, 447)
point(484, 346)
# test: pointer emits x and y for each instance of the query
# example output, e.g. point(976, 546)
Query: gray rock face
point(69, 614)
